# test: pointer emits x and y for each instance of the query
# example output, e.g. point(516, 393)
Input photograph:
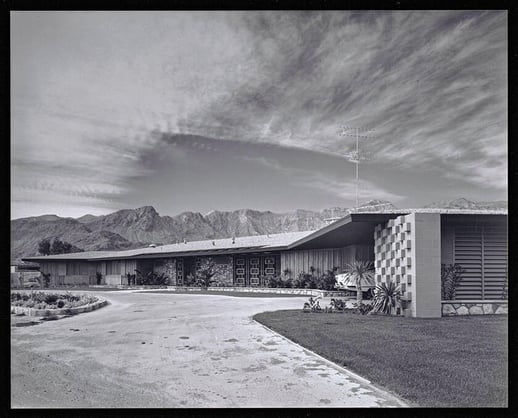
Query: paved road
point(156, 350)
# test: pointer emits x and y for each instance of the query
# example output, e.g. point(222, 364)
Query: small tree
point(358, 274)
point(46, 279)
point(57, 247)
point(190, 280)
point(206, 272)
point(44, 247)
point(131, 278)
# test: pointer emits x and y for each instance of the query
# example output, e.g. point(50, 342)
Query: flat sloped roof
point(216, 246)
point(355, 228)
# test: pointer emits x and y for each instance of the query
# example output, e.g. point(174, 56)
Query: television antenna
point(355, 157)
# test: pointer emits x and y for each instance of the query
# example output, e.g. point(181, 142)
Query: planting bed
point(52, 304)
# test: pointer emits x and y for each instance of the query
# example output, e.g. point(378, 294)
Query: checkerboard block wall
point(392, 244)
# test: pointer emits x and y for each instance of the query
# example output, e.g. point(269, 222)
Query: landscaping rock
point(476, 310)
point(448, 310)
point(488, 308)
point(502, 309)
point(462, 310)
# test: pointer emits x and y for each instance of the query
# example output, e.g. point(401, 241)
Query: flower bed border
point(60, 311)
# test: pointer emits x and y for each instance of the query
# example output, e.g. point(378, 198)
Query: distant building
point(23, 271)
point(406, 246)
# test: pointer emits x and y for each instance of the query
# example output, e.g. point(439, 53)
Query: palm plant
point(387, 298)
point(451, 275)
point(358, 274)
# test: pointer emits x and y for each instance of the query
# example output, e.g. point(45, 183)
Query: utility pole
point(355, 157)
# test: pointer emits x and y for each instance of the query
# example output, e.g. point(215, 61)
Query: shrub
point(363, 308)
point(387, 299)
point(51, 298)
point(190, 280)
point(42, 300)
point(99, 277)
point(46, 279)
point(327, 281)
point(450, 278)
point(131, 278)
point(305, 281)
point(338, 305)
point(312, 305)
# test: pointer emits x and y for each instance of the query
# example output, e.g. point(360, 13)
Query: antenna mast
point(355, 156)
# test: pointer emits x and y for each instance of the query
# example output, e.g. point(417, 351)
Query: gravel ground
point(157, 350)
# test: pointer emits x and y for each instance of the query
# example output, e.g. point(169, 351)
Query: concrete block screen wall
point(408, 252)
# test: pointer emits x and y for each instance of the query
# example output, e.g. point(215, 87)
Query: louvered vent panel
point(495, 262)
point(482, 252)
point(468, 253)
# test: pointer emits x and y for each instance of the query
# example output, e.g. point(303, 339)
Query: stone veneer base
point(459, 307)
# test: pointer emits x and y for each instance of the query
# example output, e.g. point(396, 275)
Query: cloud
point(323, 182)
point(430, 83)
point(90, 91)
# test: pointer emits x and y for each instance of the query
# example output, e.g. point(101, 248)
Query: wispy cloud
point(340, 188)
point(90, 92)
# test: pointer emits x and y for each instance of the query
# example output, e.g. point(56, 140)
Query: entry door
point(269, 269)
point(255, 270)
point(179, 272)
point(240, 271)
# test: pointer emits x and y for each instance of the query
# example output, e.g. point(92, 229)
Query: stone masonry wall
point(168, 267)
point(224, 267)
point(455, 308)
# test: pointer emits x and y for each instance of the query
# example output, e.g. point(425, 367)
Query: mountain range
point(134, 228)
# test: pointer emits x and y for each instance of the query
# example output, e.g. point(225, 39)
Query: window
point(113, 267)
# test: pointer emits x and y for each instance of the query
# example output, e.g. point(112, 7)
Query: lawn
point(451, 361)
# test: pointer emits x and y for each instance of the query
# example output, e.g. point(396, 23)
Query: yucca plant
point(387, 298)
point(359, 273)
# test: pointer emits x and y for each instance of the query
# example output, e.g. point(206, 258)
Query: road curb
point(404, 404)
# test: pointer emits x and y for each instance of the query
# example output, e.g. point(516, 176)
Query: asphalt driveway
point(167, 350)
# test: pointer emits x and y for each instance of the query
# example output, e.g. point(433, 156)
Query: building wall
point(324, 259)
point(224, 267)
point(57, 270)
point(79, 279)
point(427, 253)
point(447, 244)
point(408, 252)
point(168, 267)
point(114, 279)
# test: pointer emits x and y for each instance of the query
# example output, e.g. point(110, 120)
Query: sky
point(201, 111)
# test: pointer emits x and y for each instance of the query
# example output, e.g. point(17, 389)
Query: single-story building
point(23, 271)
point(406, 246)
